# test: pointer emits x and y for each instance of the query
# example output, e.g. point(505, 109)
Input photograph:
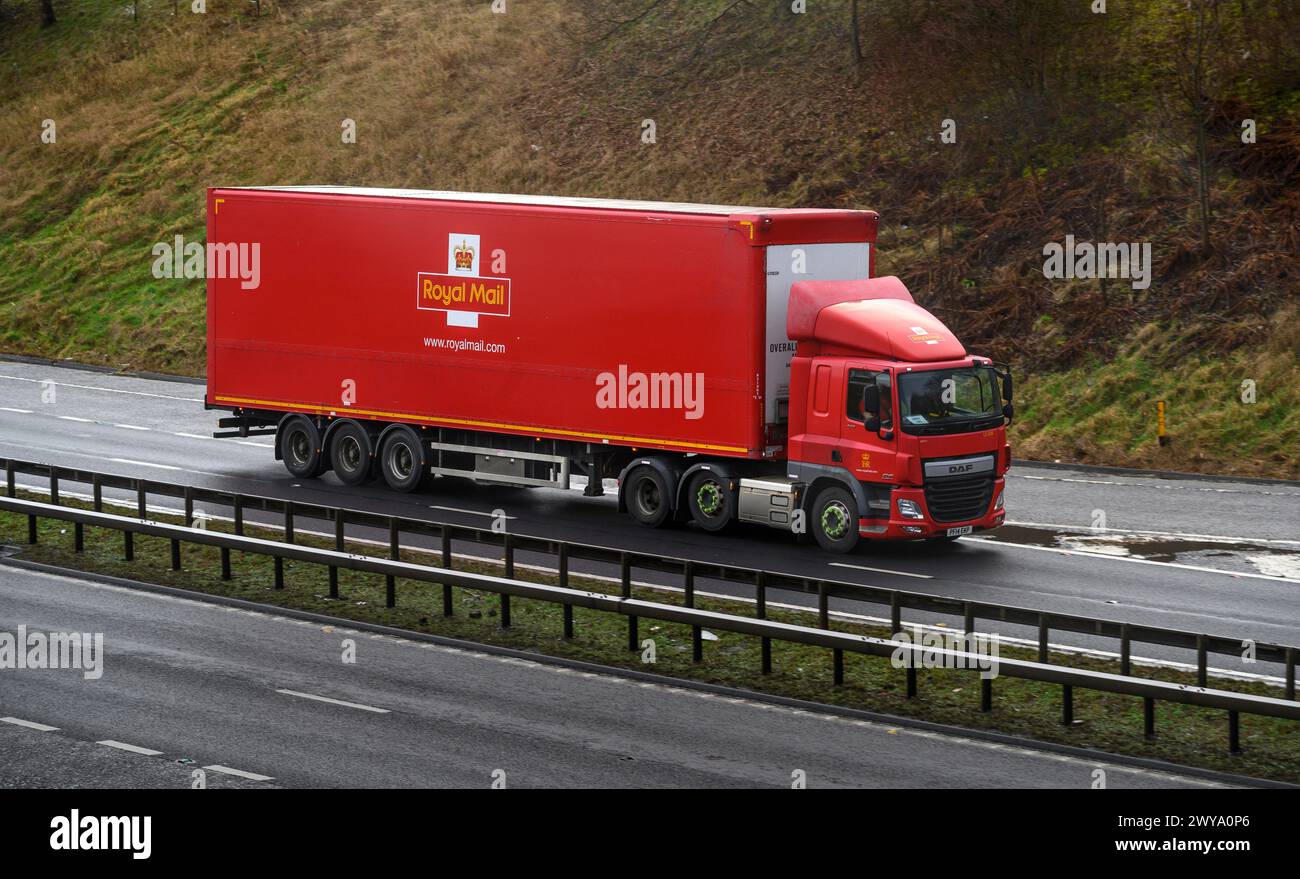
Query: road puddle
point(1228, 554)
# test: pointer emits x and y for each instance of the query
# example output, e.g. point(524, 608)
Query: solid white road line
point(881, 570)
point(41, 381)
point(335, 701)
point(30, 724)
point(226, 770)
point(134, 749)
point(131, 427)
point(18, 411)
point(75, 418)
point(468, 512)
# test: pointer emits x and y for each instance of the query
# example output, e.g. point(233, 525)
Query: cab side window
point(858, 380)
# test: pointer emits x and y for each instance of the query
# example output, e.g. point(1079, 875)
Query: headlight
point(997, 505)
point(910, 510)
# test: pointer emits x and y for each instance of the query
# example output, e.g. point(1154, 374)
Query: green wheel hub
point(835, 521)
point(708, 497)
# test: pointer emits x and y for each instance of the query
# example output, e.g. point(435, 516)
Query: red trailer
point(716, 359)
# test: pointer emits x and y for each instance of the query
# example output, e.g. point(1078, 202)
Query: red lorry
point(725, 363)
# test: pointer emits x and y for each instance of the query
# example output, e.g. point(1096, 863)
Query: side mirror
point(872, 423)
point(1009, 412)
point(871, 401)
point(1006, 386)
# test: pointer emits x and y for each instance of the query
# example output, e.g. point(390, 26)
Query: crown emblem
point(464, 256)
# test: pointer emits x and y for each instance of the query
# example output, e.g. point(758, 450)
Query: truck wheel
point(835, 520)
point(402, 459)
point(300, 448)
point(647, 497)
point(350, 453)
point(712, 504)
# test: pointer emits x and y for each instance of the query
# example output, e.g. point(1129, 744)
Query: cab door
point(871, 456)
point(821, 441)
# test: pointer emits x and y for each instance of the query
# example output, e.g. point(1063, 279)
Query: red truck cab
point(881, 388)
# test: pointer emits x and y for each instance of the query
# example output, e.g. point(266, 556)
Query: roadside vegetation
point(1127, 126)
point(1104, 722)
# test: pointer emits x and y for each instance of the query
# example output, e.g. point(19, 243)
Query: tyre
point(647, 497)
point(711, 502)
point(350, 453)
point(835, 520)
point(402, 460)
point(300, 448)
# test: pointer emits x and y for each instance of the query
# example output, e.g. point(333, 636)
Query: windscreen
point(949, 400)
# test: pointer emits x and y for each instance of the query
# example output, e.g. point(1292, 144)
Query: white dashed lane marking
point(356, 705)
point(134, 749)
point(30, 724)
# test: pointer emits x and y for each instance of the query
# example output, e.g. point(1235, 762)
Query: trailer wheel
point(647, 497)
point(350, 453)
point(401, 458)
point(835, 520)
point(300, 448)
point(712, 503)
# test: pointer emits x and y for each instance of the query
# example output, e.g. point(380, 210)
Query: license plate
point(958, 532)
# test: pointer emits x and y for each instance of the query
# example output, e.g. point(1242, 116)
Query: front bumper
point(898, 527)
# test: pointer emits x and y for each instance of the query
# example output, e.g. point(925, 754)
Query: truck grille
point(959, 499)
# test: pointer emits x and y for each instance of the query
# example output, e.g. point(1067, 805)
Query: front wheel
point(835, 520)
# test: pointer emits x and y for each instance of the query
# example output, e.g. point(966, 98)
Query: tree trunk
point(857, 37)
point(47, 13)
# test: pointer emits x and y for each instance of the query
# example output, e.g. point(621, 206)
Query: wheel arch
point(671, 472)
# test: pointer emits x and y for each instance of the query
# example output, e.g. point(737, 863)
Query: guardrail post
point(447, 609)
point(128, 546)
point(338, 547)
point(189, 506)
point(54, 485)
point(1125, 650)
point(911, 676)
point(10, 485)
point(508, 549)
point(1067, 704)
point(986, 694)
point(837, 666)
point(239, 514)
point(765, 643)
point(1290, 672)
point(562, 556)
point(288, 522)
point(279, 572)
point(31, 529)
point(1202, 662)
point(394, 553)
point(697, 632)
point(625, 582)
point(823, 606)
point(78, 537)
point(97, 491)
point(968, 621)
point(142, 501)
point(1148, 717)
point(225, 563)
point(1234, 732)
point(1042, 638)
point(568, 622)
point(895, 614)
point(176, 554)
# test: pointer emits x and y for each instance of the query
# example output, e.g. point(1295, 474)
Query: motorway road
point(1221, 557)
point(271, 698)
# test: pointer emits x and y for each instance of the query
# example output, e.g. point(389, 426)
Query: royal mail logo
point(464, 257)
point(461, 292)
point(921, 334)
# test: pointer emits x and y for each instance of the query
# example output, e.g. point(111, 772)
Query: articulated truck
point(725, 364)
